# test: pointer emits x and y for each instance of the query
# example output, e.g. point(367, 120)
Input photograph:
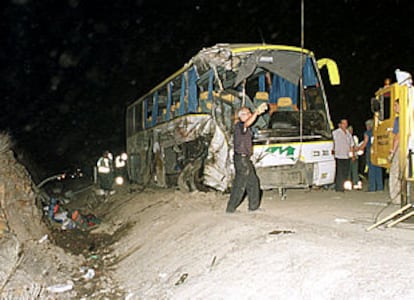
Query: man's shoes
point(259, 209)
point(358, 186)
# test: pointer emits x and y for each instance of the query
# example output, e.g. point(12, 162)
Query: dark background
point(70, 67)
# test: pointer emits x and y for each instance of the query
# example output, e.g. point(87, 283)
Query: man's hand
point(262, 108)
point(390, 156)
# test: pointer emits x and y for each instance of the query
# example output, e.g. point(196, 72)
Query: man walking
point(246, 179)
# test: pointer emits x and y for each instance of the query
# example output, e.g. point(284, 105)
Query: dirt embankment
point(32, 264)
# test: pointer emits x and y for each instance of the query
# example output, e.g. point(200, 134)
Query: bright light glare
point(348, 185)
point(119, 180)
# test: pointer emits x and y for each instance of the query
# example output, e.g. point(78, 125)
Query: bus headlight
point(348, 185)
point(119, 180)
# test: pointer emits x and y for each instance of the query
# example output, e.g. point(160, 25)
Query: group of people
point(346, 152)
point(346, 164)
point(110, 170)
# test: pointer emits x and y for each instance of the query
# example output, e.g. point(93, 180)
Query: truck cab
point(382, 106)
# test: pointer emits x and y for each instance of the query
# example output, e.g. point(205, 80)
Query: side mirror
point(332, 68)
point(375, 105)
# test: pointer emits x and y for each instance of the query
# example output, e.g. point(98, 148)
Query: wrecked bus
point(181, 131)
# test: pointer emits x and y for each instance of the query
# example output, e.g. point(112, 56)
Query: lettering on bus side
point(287, 151)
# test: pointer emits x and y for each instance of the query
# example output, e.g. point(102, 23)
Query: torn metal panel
point(185, 129)
point(218, 168)
point(214, 57)
point(285, 64)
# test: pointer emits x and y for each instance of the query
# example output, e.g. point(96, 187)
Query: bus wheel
point(191, 177)
point(282, 193)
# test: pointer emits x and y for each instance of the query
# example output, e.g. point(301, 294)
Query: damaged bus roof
point(285, 61)
point(248, 48)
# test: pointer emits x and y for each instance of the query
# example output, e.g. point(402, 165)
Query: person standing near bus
point(106, 172)
point(394, 157)
point(375, 178)
point(246, 179)
point(354, 167)
point(121, 167)
point(343, 150)
point(394, 181)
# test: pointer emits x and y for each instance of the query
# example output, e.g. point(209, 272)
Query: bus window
point(252, 87)
point(206, 88)
point(134, 119)
point(138, 117)
point(148, 111)
point(175, 102)
point(154, 115)
point(313, 98)
point(162, 104)
point(192, 90)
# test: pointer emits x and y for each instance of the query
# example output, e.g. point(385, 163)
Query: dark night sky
point(70, 67)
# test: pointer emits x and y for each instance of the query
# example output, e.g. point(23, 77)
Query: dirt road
point(314, 245)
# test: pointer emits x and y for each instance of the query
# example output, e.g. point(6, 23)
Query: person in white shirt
point(343, 151)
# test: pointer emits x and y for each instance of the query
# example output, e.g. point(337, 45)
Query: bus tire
point(197, 176)
point(183, 179)
point(191, 178)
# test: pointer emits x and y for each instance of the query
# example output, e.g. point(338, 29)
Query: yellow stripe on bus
point(293, 143)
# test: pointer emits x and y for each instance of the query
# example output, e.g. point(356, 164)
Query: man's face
point(344, 124)
point(244, 114)
point(396, 107)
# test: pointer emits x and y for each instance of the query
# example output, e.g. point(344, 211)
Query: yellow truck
point(384, 110)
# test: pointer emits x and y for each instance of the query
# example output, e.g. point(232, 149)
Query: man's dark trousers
point(247, 181)
point(342, 172)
